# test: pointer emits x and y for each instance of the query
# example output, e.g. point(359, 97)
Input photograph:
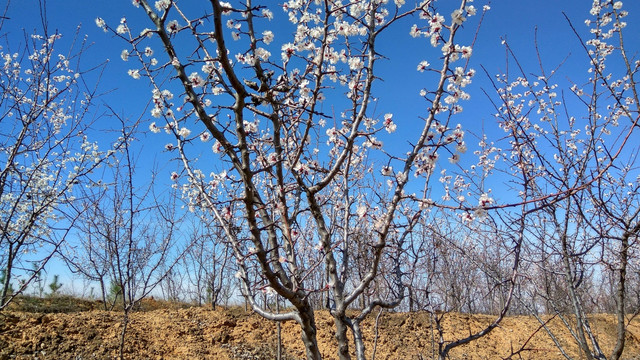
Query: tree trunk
point(308, 326)
point(568, 274)
point(341, 335)
point(125, 323)
point(410, 288)
point(358, 340)
point(278, 332)
point(4, 299)
point(620, 301)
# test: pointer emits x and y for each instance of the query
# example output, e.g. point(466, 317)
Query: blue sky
point(514, 20)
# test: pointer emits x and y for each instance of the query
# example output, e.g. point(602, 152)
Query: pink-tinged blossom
point(162, 5)
point(174, 176)
point(302, 169)
point(386, 170)
point(250, 127)
point(415, 32)
point(424, 65)
point(425, 204)
point(101, 24)
point(332, 133)
point(471, 10)
point(388, 123)
point(267, 36)
point(226, 7)
point(373, 143)
point(435, 23)
point(355, 63)
point(196, 80)
point(485, 200)
point(169, 147)
point(467, 217)
point(272, 158)
point(434, 40)
point(263, 54)
point(148, 51)
point(288, 50)
point(154, 128)
point(205, 136)
point(169, 128)
point(172, 26)
point(466, 52)
point(247, 59)
point(227, 214)
point(134, 73)
point(122, 29)
point(217, 147)
point(267, 14)
point(136, 3)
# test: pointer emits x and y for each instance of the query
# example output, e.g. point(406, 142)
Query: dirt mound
point(203, 333)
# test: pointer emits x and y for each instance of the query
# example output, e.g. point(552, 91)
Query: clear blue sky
point(513, 19)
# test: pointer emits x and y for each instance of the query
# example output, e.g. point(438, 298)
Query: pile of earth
point(174, 332)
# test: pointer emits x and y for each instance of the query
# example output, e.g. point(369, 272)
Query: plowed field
point(203, 333)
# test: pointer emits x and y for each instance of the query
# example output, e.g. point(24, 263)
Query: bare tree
point(129, 232)
point(208, 265)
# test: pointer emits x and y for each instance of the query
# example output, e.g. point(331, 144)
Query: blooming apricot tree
point(44, 152)
point(292, 179)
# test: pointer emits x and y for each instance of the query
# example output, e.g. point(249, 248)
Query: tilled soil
point(203, 333)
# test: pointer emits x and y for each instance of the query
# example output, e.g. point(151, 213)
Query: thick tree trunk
point(342, 328)
point(308, 326)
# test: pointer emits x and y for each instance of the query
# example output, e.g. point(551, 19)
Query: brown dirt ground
point(232, 333)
